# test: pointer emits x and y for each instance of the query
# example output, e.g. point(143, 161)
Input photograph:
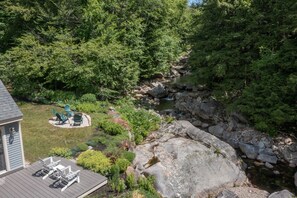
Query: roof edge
point(12, 120)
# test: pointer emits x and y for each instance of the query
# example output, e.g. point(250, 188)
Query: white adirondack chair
point(48, 166)
point(67, 177)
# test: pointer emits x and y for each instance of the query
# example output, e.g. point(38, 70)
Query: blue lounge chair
point(54, 113)
point(61, 118)
point(68, 111)
point(77, 119)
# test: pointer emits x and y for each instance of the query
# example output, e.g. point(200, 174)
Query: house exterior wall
point(14, 146)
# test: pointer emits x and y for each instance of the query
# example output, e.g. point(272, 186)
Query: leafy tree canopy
point(245, 50)
point(87, 46)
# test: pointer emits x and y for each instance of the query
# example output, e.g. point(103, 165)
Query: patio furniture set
point(62, 118)
point(64, 176)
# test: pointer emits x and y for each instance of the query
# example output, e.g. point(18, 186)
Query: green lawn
point(39, 136)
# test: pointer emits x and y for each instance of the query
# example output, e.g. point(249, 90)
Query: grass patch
point(40, 137)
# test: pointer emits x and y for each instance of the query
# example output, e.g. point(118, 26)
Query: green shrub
point(138, 138)
point(128, 155)
point(95, 161)
point(115, 171)
point(82, 147)
point(141, 120)
point(96, 139)
point(88, 98)
point(87, 107)
point(122, 163)
point(92, 143)
point(147, 184)
point(112, 143)
point(131, 181)
point(148, 194)
point(111, 128)
point(60, 151)
point(118, 185)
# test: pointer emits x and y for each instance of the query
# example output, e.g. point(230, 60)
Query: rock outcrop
point(186, 167)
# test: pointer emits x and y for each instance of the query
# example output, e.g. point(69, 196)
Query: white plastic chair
point(48, 166)
point(67, 177)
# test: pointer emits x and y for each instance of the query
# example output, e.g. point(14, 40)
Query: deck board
point(23, 183)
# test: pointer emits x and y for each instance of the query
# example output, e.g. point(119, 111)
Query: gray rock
point(282, 194)
point(204, 125)
point(267, 158)
point(243, 192)
point(232, 125)
point(268, 165)
point(227, 194)
point(209, 140)
point(197, 123)
point(185, 167)
point(174, 73)
point(200, 108)
point(289, 153)
point(276, 172)
point(249, 150)
point(201, 114)
point(267, 151)
point(217, 130)
point(261, 145)
point(292, 165)
point(258, 163)
point(158, 91)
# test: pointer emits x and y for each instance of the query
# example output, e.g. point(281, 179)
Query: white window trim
point(21, 140)
point(4, 140)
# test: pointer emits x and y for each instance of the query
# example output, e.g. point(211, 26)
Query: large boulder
point(188, 167)
point(217, 130)
point(282, 194)
point(158, 90)
point(264, 157)
point(249, 150)
point(289, 153)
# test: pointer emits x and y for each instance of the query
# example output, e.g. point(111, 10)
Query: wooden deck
point(24, 183)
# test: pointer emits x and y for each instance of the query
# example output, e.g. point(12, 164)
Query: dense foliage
point(95, 161)
point(112, 128)
point(101, 47)
point(246, 52)
point(142, 121)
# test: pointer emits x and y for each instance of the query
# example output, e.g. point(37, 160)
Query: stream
point(280, 177)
